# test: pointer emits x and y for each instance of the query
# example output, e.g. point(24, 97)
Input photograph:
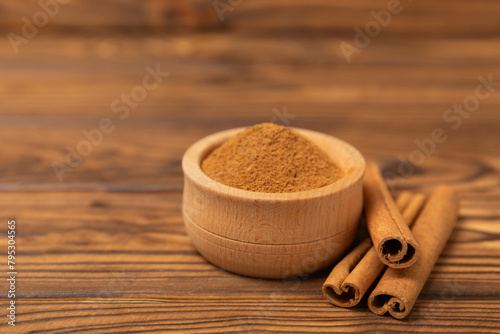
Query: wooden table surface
point(104, 249)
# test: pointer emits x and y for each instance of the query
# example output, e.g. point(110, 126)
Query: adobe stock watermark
point(119, 106)
point(282, 117)
point(453, 118)
point(30, 28)
point(223, 6)
point(372, 29)
point(11, 271)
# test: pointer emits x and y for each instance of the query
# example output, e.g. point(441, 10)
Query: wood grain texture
point(106, 250)
point(71, 83)
point(425, 17)
point(191, 315)
point(107, 241)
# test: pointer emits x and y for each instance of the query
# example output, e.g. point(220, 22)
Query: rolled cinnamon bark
point(353, 276)
point(394, 243)
point(410, 205)
point(398, 290)
point(403, 200)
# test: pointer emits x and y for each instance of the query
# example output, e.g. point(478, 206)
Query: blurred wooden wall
point(458, 18)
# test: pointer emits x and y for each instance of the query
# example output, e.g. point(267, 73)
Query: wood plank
point(201, 315)
point(152, 150)
point(219, 76)
point(425, 17)
point(152, 153)
point(130, 245)
point(106, 250)
point(222, 77)
point(71, 85)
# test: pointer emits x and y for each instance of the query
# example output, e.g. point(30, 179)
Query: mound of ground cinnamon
point(270, 158)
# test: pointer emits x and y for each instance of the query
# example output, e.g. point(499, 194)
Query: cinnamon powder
point(270, 158)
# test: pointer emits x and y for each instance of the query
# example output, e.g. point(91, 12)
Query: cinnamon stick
point(398, 290)
point(394, 243)
point(410, 205)
point(353, 276)
point(403, 200)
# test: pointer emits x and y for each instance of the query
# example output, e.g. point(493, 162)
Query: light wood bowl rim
point(191, 165)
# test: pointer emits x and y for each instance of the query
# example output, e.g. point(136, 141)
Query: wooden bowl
point(272, 235)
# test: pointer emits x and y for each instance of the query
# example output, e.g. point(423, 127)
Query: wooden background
point(106, 251)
